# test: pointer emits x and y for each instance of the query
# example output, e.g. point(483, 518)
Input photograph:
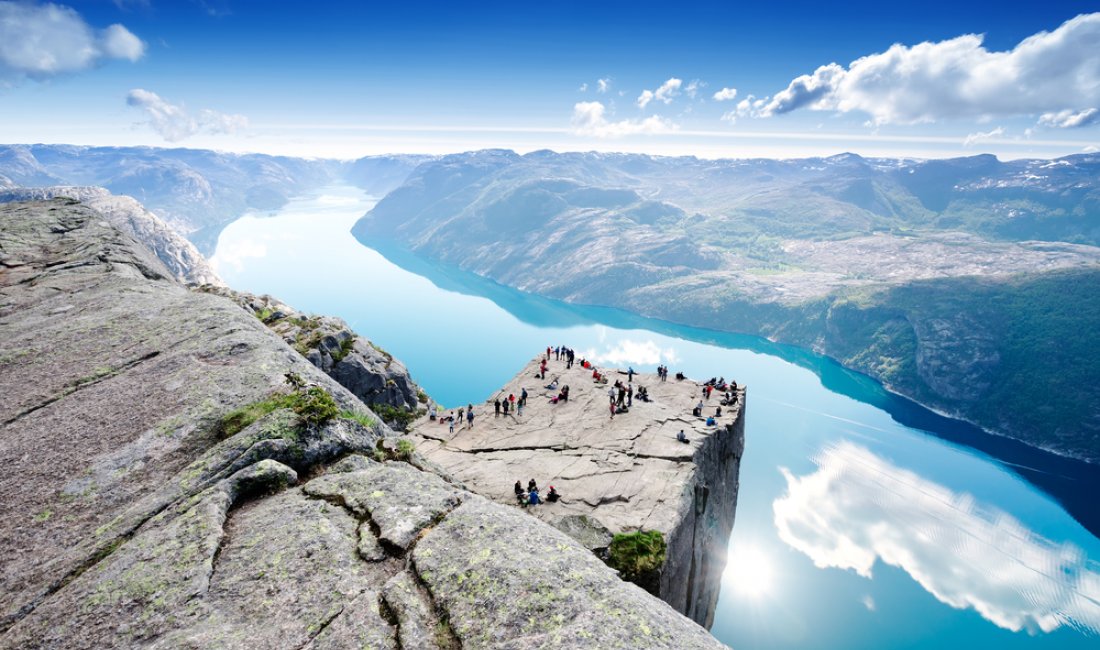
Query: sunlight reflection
point(858, 508)
point(749, 571)
point(626, 351)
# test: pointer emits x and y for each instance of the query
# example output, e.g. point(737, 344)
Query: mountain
point(923, 274)
point(197, 192)
point(178, 475)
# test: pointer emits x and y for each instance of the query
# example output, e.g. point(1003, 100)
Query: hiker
point(680, 376)
point(496, 408)
point(552, 496)
point(630, 395)
point(710, 422)
point(533, 497)
point(612, 407)
point(470, 418)
point(504, 405)
point(718, 412)
point(553, 385)
point(432, 413)
point(461, 415)
point(523, 397)
point(698, 410)
point(531, 485)
point(629, 374)
point(679, 436)
point(451, 420)
point(519, 489)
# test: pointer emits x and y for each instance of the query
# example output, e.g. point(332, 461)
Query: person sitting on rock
point(552, 496)
point(697, 412)
point(519, 489)
point(531, 485)
point(679, 436)
point(553, 385)
point(533, 497)
point(432, 413)
point(718, 412)
point(680, 376)
point(710, 422)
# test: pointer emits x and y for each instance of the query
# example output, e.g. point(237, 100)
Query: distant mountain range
point(968, 284)
point(195, 191)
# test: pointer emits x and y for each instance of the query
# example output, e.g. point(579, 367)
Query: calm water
point(853, 529)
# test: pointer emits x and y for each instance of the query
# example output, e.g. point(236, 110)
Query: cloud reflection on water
point(858, 508)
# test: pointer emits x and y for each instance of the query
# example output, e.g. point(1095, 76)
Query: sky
point(724, 79)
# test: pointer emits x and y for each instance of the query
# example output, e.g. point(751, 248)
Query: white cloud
point(730, 116)
point(858, 508)
point(174, 123)
point(589, 118)
point(603, 85)
point(1070, 119)
point(41, 41)
point(665, 93)
point(584, 87)
point(725, 95)
point(693, 87)
point(1092, 148)
point(975, 138)
point(1048, 72)
point(629, 352)
point(869, 603)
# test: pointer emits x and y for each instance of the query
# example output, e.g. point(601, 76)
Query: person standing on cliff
point(630, 374)
point(470, 418)
point(496, 408)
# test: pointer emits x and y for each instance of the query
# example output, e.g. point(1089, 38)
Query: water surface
point(864, 521)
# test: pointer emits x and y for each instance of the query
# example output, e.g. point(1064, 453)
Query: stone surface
point(369, 372)
point(505, 584)
point(625, 473)
point(174, 251)
point(134, 518)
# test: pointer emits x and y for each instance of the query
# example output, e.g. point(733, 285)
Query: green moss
point(421, 396)
point(638, 557)
point(313, 406)
point(345, 348)
point(44, 515)
point(405, 448)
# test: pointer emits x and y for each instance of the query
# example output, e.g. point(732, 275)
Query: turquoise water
point(864, 521)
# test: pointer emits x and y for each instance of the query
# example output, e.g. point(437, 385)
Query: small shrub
point(239, 419)
point(396, 417)
point(315, 406)
point(421, 396)
point(361, 418)
point(638, 557)
point(405, 449)
point(345, 348)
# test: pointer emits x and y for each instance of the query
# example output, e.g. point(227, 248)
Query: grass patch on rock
point(313, 406)
point(638, 557)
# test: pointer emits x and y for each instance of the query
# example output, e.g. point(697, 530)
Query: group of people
point(530, 496)
point(662, 373)
point(561, 353)
point(510, 404)
point(621, 396)
point(466, 413)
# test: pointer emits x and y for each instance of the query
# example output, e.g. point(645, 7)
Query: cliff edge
point(617, 475)
point(178, 476)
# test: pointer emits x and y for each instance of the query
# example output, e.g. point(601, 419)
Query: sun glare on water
point(749, 572)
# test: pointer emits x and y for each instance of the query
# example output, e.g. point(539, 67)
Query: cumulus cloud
point(1070, 119)
point(40, 41)
point(981, 136)
point(665, 93)
point(858, 508)
point(590, 118)
point(603, 85)
point(173, 121)
point(693, 87)
point(725, 95)
point(1046, 73)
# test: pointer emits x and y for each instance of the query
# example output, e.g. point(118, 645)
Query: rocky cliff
point(176, 475)
point(618, 475)
point(176, 253)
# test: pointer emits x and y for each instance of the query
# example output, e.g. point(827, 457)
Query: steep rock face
point(369, 372)
point(145, 508)
point(176, 253)
point(615, 475)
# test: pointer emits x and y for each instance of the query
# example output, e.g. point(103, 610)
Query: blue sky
point(349, 79)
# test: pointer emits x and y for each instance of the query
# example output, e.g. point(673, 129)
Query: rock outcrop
point(368, 371)
point(616, 475)
point(174, 251)
point(165, 488)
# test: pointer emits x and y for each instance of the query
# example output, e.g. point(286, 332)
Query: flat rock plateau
point(618, 474)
